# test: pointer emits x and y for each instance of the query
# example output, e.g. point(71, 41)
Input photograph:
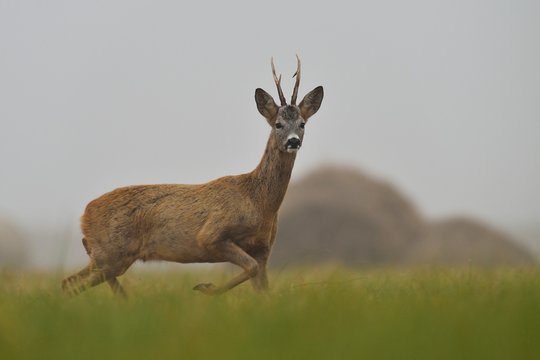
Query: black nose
point(293, 143)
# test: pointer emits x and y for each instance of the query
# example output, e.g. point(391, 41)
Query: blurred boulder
point(341, 215)
point(338, 214)
point(13, 249)
point(463, 241)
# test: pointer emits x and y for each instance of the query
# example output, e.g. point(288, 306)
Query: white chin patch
point(292, 150)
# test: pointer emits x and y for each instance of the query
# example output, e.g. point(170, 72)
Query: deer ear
point(311, 102)
point(265, 104)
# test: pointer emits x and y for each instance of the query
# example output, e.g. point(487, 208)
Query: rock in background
point(462, 241)
point(341, 215)
point(13, 247)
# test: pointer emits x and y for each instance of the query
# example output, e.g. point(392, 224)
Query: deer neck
point(270, 179)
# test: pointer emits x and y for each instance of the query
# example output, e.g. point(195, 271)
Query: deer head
point(288, 121)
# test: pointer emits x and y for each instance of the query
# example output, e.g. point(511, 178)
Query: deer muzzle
point(293, 144)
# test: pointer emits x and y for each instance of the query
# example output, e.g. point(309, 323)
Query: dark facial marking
point(290, 113)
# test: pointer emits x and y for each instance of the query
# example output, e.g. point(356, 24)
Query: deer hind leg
point(116, 287)
point(233, 254)
point(90, 276)
point(71, 283)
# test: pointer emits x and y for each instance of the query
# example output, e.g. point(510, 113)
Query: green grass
point(310, 314)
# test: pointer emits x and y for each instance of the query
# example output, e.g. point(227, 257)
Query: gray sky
point(440, 97)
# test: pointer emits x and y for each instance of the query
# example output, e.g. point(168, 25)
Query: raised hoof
point(206, 288)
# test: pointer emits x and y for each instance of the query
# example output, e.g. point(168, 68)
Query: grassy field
point(311, 314)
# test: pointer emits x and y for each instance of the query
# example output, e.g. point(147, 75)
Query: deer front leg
point(234, 254)
point(260, 281)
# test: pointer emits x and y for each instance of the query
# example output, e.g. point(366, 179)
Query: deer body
point(230, 219)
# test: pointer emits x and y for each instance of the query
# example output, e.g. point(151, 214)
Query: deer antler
point(278, 84)
point(297, 84)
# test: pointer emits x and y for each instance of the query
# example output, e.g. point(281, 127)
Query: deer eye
point(302, 125)
point(279, 125)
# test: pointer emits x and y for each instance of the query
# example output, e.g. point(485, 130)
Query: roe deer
point(230, 219)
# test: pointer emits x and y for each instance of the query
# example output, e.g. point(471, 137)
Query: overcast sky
point(440, 97)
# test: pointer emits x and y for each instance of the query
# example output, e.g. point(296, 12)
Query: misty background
point(440, 98)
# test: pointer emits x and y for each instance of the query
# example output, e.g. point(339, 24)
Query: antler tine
point(297, 83)
point(278, 83)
